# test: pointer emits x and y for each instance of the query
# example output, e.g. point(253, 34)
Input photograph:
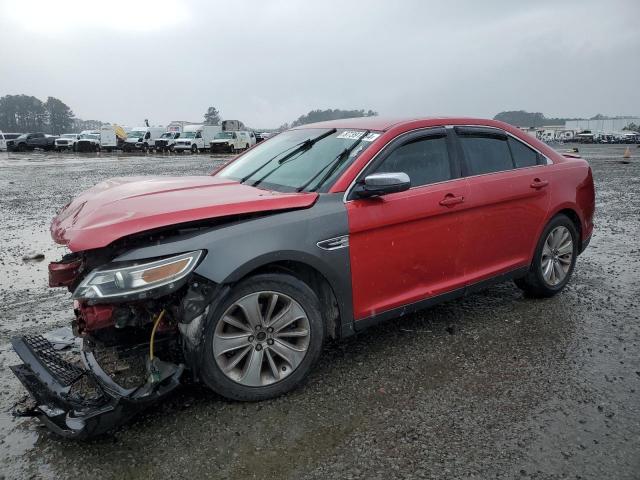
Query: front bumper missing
point(49, 378)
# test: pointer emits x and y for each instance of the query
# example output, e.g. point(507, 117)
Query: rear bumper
point(49, 379)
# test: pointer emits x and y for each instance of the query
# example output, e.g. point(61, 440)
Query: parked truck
point(89, 141)
point(142, 138)
point(31, 141)
point(167, 141)
point(232, 141)
point(112, 137)
point(196, 137)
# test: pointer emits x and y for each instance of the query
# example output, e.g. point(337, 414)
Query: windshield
point(68, 135)
point(224, 135)
point(303, 166)
point(166, 135)
point(136, 133)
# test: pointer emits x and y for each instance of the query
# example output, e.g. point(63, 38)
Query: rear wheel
point(263, 339)
point(554, 259)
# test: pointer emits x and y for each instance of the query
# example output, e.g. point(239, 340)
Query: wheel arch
point(307, 269)
point(572, 212)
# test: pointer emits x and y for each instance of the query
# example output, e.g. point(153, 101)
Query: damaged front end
point(137, 329)
point(83, 401)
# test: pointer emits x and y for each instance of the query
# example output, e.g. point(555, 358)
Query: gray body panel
point(234, 250)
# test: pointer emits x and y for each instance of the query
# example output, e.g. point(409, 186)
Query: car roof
point(386, 123)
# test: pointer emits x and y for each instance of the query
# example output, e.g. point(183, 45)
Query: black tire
point(211, 373)
point(534, 283)
point(22, 147)
point(246, 147)
point(194, 149)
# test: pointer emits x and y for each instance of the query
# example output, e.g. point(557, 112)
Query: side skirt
point(431, 301)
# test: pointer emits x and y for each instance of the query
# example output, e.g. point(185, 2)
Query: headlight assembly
point(137, 282)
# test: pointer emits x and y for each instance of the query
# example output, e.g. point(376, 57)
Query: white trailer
point(196, 137)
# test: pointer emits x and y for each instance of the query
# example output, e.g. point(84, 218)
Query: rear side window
point(425, 160)
point(486, 154)
point(523, 156)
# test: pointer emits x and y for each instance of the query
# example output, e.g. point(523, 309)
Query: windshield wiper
point(333, 164)
point(304, 146)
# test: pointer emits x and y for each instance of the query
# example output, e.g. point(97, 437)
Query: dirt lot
point(492, 386)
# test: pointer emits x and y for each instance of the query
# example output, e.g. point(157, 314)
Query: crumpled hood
point(123, 206)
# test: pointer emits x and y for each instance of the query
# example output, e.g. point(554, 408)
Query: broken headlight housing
point(137, 281)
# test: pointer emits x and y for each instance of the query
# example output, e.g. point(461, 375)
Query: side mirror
point(378, 184)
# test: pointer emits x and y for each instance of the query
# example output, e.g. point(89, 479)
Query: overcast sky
point(267, 62)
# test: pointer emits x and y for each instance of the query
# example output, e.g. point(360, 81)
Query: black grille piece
point(65, 372)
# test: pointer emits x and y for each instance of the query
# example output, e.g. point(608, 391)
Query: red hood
point(123, 206)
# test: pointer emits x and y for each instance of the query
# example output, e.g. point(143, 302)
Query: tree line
point(26, 113)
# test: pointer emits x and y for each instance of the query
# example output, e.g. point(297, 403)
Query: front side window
point(523, 156)
point(486, 153)
point(425, 160)
point(285, 164)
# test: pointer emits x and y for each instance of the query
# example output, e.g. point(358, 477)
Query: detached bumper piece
point(53, 383)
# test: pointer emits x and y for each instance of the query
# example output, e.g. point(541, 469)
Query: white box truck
point(142, 138)
point(196, 137)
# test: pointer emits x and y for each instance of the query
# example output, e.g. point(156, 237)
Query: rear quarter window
point(523, 156)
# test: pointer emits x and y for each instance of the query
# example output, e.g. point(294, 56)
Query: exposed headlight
point(136, 282)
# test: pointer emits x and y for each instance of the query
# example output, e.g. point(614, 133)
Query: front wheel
point(554, 259)
point(263, 339)
point(194, 149)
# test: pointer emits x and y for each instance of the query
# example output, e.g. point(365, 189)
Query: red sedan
point(237, 278)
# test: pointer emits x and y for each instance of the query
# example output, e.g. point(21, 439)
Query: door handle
point(450, 200)
point(537, 183)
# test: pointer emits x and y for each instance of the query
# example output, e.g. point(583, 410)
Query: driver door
point(405, 247)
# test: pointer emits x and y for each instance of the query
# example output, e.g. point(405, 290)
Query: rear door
point(507, 201)
point(405, 246)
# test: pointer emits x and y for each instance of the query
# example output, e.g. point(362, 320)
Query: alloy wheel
point(557, 255)
point(261, 338)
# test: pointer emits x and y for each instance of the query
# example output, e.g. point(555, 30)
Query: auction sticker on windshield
point(355, 135)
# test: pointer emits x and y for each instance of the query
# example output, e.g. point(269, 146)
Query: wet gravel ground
point(491, 386)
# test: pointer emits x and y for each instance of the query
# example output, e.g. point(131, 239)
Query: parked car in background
point(67, 141)
point(31, 141)
point(112, 137)
point(9, 138)
point(167, 141)
point(89, 141)
point(240, 276)
point(232, 141)
point(196, 137)
point(3, 142)
point(141, 138)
